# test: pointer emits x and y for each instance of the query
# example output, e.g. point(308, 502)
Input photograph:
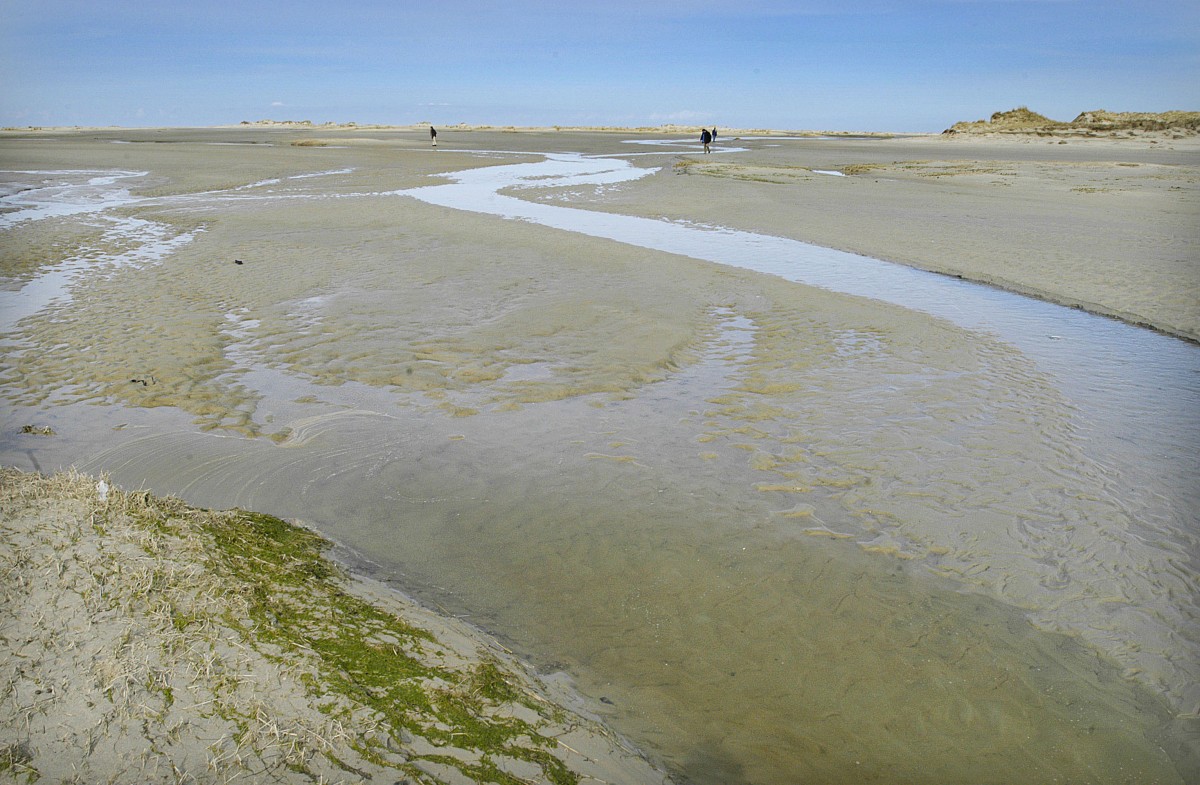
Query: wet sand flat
point(1106, 225)
point(771, 531)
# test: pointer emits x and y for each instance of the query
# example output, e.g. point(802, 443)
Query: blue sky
point(877, 65)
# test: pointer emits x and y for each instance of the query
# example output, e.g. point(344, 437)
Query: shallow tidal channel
point(816, 536)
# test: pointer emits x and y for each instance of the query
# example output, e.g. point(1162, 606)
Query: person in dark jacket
point(705, 139)
point(433, 135)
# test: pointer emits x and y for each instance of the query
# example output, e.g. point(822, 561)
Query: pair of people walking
point(707, 137)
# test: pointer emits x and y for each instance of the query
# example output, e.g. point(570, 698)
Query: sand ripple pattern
point(1095, 568)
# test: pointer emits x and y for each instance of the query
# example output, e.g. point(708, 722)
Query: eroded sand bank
point(742, 512)
point(146, 641)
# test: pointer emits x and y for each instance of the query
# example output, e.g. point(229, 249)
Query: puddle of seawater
point(34, 195)
point(64, 193)
point(529, 372)
point(146, 242)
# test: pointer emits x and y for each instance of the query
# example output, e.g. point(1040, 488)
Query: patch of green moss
point(298, 602)
point(490, 682)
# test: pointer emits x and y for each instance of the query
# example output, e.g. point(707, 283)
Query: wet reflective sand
point(777, 534)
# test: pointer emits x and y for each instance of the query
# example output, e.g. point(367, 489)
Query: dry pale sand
point(147, 641)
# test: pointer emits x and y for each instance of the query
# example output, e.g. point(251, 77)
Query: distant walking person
point(714, 135)
point(705, 139)
point(433, 135)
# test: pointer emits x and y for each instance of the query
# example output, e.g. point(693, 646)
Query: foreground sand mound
point(143, 640)
point(1097, 122)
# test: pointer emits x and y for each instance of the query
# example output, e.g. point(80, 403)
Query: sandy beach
point(1107, 225)
point(769, 531)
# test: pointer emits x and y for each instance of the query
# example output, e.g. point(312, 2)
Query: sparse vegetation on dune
point(1100, 120)
point(1092, 123)
point(277, 122)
